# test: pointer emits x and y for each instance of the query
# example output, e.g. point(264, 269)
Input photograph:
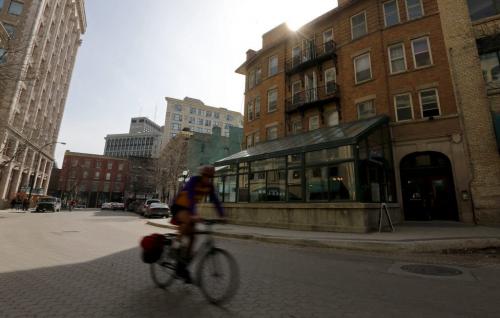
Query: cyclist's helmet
point(207, 171)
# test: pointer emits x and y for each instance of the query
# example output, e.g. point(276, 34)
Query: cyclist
point(184, 213)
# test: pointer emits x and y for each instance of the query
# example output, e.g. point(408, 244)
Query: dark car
point(158, 210)
point(51, 204)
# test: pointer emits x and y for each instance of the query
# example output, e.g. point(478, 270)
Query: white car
point(107, 206)
point(157, 210)
point(52, 204)
point(117, 206)
point(146, 205)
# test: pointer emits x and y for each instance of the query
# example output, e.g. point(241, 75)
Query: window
point(229, 117)
point(201, 112)
point(273, 65)
point(120, 166)
point(97, 175)
point(192, 120)
point(249, 141)
point(11, 30)
point(209, 113)
point(414, 9)
point(429, 101)
point(328, 41)
point(397, 59)
point(391, 13)
point(421, 52)
point(257, 107)
point(108, 176)
point(362, 68)
point(366, 109)
point(490, 64)
point(208, 122)
point(251, 79)
point(192, 110)
point(358, 25)
point(118, 177)
point(330, 79)
point(313, 122)
point(178, 107)
point(256, 138)
point(296, 59)
point(216, 115)
point(177, 117)
point(403, 107)
point(200, 121)
point(110, 165)
point(258, 76)
point(3, 53)
point(1, 4)
point(296, 93)
point(15, 8)
point(480, 9)
point(250, 111)
point(296, 126)
point(333, 119)
point(85, 175)
point(272, 100)
point(272, 133)
point(74, 162)
point(177, 126)
point(98, 164)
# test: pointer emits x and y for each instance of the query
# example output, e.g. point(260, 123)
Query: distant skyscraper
point(36, 64)
point(143, 140)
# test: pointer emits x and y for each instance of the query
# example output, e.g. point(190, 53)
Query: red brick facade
point(93, 179)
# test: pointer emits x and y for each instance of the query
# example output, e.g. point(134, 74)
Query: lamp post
point(184, 176)
point(34, 177)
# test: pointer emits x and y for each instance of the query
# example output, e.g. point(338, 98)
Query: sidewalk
point(409, 237)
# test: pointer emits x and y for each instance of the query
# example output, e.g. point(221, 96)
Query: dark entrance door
point(427, 187)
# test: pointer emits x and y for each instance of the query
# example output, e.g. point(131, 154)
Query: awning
point(323, 138)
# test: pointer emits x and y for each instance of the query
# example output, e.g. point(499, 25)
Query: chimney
point(250, 54)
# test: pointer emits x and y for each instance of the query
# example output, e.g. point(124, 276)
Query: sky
point(135, 53)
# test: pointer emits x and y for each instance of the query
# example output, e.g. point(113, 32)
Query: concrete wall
point(329, 217)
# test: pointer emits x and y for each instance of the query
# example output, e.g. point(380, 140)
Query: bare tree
point(173, 160)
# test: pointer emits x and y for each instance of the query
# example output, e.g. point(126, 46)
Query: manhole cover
point(432, 270)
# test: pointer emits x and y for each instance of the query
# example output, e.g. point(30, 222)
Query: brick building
point(93, 179)
point(472, 36)
point(364, 66)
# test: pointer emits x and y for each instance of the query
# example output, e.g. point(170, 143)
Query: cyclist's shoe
point(182, 272)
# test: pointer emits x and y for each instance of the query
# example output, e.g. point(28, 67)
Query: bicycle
point(212, 261)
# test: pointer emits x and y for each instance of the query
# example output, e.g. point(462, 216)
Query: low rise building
point(93, 179)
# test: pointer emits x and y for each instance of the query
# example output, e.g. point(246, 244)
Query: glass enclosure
point(360, 172)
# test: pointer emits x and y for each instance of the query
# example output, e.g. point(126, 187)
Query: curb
point(417, 246)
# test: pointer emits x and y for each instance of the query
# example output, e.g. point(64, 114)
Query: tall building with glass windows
point(194, 114)
point(36, 64)
point(143, 140)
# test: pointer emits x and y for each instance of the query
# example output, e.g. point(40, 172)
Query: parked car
point(117, 206)
point(135, 206)
point(51, 204)
point(147, 204)
point(106, 206)
point(157, 210)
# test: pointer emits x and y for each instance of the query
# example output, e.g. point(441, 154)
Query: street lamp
point(34, 177)
point(184, 176)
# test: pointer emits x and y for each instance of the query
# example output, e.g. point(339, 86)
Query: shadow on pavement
point(116, 285)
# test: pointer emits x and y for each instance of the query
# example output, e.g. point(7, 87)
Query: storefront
point(339, 175)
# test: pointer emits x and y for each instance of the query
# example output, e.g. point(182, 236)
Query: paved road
point(86, 264)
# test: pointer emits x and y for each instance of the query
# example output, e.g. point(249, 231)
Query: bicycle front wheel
point(163, 271)
point(218, 276)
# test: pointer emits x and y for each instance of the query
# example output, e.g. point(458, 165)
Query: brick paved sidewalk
point(408, 237)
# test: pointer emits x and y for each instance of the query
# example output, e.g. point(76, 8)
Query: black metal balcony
point(310, 56)
point(312, 97)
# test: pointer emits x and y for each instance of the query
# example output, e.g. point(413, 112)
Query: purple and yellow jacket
point(194, 192)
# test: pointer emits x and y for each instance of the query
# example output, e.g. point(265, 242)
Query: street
point(87, 264)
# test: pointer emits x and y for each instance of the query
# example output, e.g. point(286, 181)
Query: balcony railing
point(314, 96)
point(310, 55)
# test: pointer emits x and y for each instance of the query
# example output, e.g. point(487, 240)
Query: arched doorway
point(427, 187)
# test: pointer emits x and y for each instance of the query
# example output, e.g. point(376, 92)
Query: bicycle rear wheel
point(218, 276)
point(163, 271)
